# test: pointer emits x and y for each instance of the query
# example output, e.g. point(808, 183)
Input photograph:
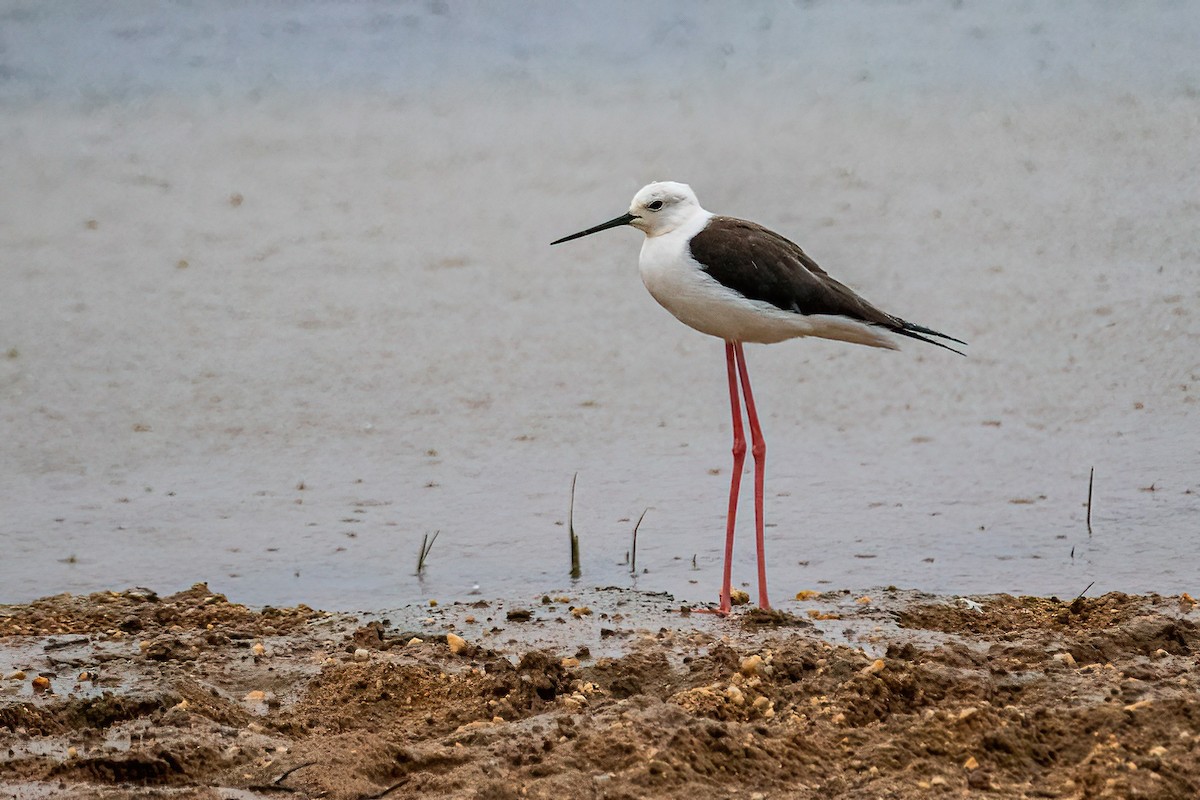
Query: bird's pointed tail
point(922, 334)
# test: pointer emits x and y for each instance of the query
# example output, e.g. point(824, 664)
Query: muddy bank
point(603, 694)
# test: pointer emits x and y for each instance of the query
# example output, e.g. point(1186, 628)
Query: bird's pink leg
point(759, 448)
point(739, 458)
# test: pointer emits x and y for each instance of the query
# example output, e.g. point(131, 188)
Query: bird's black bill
point(624, 219)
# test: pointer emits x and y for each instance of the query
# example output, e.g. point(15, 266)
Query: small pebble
point(1066, 658)
point(751, 665)
point(19, 675)
point(738, 597)
point(258, 649)
point(362, 654)
point(807, 594)
point(255, 696)
point(72, 752)
point(971, 764)
point(581, 611)
point(41, 684)
point(456, 643)
point(414, 640)
point(874, 667)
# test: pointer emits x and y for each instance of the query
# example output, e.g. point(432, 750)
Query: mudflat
point(604, 693)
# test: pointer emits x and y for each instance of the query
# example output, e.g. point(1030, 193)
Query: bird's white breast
point(680, 285)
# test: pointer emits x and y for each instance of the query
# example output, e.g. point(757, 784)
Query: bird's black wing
point(762, 265)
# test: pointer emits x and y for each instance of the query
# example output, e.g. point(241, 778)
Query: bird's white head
point(663, 206)
point(657, 208)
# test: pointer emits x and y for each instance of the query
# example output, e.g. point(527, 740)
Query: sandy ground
point(609, 694)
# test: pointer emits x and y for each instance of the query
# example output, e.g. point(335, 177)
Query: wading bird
point(741, 282)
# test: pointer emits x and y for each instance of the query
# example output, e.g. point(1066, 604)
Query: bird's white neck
point(686, 228)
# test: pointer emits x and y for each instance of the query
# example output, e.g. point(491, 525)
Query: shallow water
point(252, 251)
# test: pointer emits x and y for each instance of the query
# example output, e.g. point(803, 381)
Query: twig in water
point(575, 570)
point(426, 546)
point(633, 560)
point(1091, 477)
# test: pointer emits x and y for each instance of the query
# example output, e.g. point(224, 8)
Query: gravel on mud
point(901, 695)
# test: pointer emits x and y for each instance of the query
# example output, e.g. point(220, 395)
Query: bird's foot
point(722, 611)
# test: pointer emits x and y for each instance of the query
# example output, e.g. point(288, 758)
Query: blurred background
point(276, 300)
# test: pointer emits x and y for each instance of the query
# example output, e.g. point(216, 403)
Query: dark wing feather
point(762, 265)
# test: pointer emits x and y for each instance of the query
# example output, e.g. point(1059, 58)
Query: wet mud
point(604, 693)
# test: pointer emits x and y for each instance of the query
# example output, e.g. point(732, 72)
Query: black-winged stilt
point(740, 282)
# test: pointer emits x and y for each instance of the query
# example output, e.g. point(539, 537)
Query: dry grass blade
point(426, 546)
point(1091, 478)
point(575, 569)
point(633, 560)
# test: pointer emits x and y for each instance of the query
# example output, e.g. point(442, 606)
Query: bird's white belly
point(680, 286)
point(702, 303)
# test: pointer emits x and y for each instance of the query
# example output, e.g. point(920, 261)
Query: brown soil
point(994, 697)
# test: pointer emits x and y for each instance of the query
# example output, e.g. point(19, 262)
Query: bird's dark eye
point(655, 206)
